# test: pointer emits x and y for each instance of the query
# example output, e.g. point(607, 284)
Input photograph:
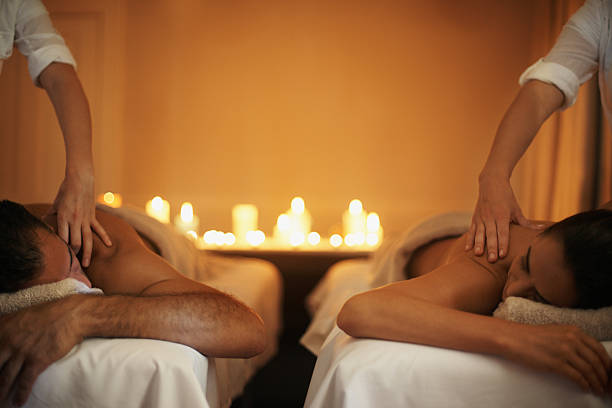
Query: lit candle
point(282, 228)
point(314, 238)
point(374, 229)
point(159, 209)
point(300, 219)
point(255, 238)
point(186, 220)
point(111, 199)
point(244, 219)
point(354, 222)
point(335, 240)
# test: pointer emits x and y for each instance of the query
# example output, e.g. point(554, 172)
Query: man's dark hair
point(20, 255)
point(587, 247)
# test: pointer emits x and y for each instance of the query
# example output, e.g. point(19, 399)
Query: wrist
point(80, 308)
point(505, 339)
point(494, 174)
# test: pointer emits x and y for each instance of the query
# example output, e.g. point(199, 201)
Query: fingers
point(589, 367)
point(87, 245)
point(479, 240)
point(8, 374)
point(75, 236)
point(99, 229)
point(575, 375)
point(503, 235)
point(469, 239)
point(491, 230)
point(25, 382)
point(600, 351)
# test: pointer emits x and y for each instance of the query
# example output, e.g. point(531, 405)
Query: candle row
point(361, 230)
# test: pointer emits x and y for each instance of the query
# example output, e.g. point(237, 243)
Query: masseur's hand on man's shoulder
point(76, 214)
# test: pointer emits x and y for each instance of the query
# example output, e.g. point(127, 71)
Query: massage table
point(359, 373)
point(157, 374)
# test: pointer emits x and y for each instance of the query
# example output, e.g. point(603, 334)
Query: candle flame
point(335, 240)
point(109, 197)
point(255, 238)
point(229, 238)
point(355, 207)
point(297, 238)
point(210, 237)
point(283, 222)
point(157, 203)
point(297, 205)
point(373, 222)
point(187, 212)
point(314, 238)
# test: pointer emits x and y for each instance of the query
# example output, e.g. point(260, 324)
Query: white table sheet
point(364, 373)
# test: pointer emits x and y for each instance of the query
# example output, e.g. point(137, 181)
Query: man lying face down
point(145, 298)
point(450, 295)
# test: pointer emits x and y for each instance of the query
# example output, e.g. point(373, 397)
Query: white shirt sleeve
point(36, 38)
point(574, 58)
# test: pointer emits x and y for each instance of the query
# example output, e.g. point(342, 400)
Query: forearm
point(390, 316)
point(535, 102)
point(212, 323)
point(72, 110)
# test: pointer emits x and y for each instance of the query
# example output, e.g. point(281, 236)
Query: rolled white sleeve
point(575, 56)
point(36, 38)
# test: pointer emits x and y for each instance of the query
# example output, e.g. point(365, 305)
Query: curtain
point(565, 170)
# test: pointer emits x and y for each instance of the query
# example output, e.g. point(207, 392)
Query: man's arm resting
point(211, 322)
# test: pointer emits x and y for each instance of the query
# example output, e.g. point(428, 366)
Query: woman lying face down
point(568, 264)
point(451, 294)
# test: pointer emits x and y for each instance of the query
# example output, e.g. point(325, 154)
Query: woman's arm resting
point(497, 206)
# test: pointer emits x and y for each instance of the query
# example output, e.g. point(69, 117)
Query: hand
point(495, 209)
point(565, 350)
point(31, 340)
point(76, 214)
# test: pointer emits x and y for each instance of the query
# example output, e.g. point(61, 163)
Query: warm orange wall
point(392, 102)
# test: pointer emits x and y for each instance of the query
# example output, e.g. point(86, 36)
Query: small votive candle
point(186, 220)
point(244, 219)
point(111, 199)
point(159, 209)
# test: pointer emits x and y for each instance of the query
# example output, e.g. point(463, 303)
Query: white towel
point(595, 322)
point(11, 302)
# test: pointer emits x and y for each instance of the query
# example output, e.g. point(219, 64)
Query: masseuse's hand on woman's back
point(495, 210)
point(76, 214)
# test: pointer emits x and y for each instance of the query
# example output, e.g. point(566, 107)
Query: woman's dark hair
point(587, 245)
point(20, 256)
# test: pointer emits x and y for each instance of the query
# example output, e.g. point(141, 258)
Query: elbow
point(353, 316)
point(258, 339)
point(251, 338)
